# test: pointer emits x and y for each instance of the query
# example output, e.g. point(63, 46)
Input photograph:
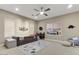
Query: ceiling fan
point(42, 11)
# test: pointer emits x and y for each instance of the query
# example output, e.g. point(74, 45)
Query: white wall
point(65, 20)
point(12, 27)
point(10, 23)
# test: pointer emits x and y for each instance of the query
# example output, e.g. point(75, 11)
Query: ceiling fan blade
point(36, 10)
point(45, 14)
point(41, 8)
point(47, 9)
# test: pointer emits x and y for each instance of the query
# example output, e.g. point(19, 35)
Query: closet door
point(31, 27)
point(9, 27)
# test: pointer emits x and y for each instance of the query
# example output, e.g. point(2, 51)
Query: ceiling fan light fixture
point(17, 9)
point(41, 13)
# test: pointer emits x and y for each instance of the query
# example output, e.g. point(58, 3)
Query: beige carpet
point(57, 48)
point(24, 51)
point(54, 47)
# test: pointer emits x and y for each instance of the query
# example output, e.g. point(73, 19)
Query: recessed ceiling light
point(70, 6)
point(17, 9)
point(41, 13)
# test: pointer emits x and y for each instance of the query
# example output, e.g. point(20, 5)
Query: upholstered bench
point(10, 43)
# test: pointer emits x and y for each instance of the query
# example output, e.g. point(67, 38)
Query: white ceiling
point(28, 9)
